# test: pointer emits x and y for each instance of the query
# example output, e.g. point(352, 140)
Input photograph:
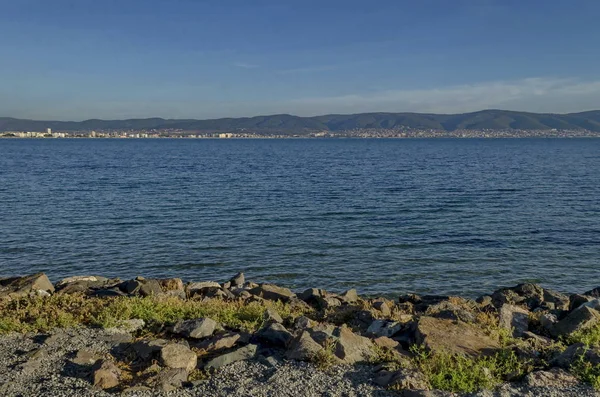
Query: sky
point(115, 59)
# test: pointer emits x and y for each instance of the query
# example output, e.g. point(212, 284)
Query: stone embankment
point(92, 335)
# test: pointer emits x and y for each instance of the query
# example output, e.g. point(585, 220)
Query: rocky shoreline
point(96, 336)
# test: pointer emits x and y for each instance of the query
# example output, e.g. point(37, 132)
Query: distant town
point(354, 133)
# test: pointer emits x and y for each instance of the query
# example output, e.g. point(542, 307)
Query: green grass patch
point(62, 311)
point(458, 373)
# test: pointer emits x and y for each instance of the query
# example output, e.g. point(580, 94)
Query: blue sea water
point(456, 216)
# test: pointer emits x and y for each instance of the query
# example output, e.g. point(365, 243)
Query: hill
point(285, 123)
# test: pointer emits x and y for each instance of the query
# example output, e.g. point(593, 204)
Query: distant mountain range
point(284, 123)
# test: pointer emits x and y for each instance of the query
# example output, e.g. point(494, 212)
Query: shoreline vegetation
point(168, 335)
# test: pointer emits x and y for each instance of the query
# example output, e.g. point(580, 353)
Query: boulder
point(176, 355)
point(350, 296)
point(573, 353)
point(322, 333)
point(560, 301)
point(383, 307)
point(147, 350)
point(18, 287)
point(105, 375)
point(303, 322)
point(352, 348)
point(303, 347)
point(385, 342)
point(238, 280)
point(243, 353)
point(532, 294)
point(171, 284)
point(577, 300)
point(225, 341)
point(451, 311)
point(273, 292)
point(169, 379)
point(594, 293)
point(454, 337)
point(275, 334)
point(554, 378)
point(548, 321)
point(86, 357)
point(514, 319)
point(271, 316)
point(403, 379)
point(310, 295)
point(579, 319)
point(384, 328)
point(196, 329)
point(196, 288)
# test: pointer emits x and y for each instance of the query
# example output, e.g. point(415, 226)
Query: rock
point(505, 296)
point(271, 316)
point(322, 333)
point(197, 329)
point(554, 378)
point(352, 348)
point(303, 348)
point(383, 307)
point(449, 310)
point(385, 342)
point(243, 353)
point(311, 295)
point(349, 296)
point(148, 349)
point(275, 334)
point(219, 293)
point(272, 292)
point(106, 293)
point(402, 379)
point(454, 337)
point(225, 341)
point(515, 319)
point(421, 303)
point(548, 321)
point(538, 339)
point(384, 328)
point(328, 302)
point(594, 293)
point(577, 300)
point(196, 288)
point(574, 352)
point(170, 379)
point(18, 287)
point(270, 361)
point(303, 322)
point(484, 300)
point(533, 294)
point(226, 285)
point(86, 357)
point(593, 304)
point(560, 301)
point(171, 284)
point(238, 280)
point(580, 318)
point(80, 283)
point(105, 375)
point(176, 355)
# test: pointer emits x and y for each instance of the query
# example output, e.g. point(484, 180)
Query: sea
point(384, 216)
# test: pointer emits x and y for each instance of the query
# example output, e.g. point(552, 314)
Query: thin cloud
point(533, 94)
point(245, 65)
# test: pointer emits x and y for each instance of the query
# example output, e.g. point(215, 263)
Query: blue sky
point(79, 59)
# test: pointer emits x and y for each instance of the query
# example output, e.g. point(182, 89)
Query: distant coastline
point(482, 124)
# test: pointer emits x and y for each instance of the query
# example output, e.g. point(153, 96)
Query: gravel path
point(39, 365)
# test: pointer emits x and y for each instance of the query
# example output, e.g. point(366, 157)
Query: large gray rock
point(196, 329)
point(18, 287)
point(514, 319)
point(198, 287)
point(559, 300)
point(275, 334)
point(573, 353)
point(243, 353)
point(403, 379)
point(553, 378)
point(303, 348)
point(451, 311)
point(273, 292)
point(169, 379)
point(225, 341)
point(105, 375)
point(238, 280)
point(147, 350)
point(350, 296)
point(579, 319)
point(176, 355)
point(352, 348)
point(384, 328)
point(454, 337)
